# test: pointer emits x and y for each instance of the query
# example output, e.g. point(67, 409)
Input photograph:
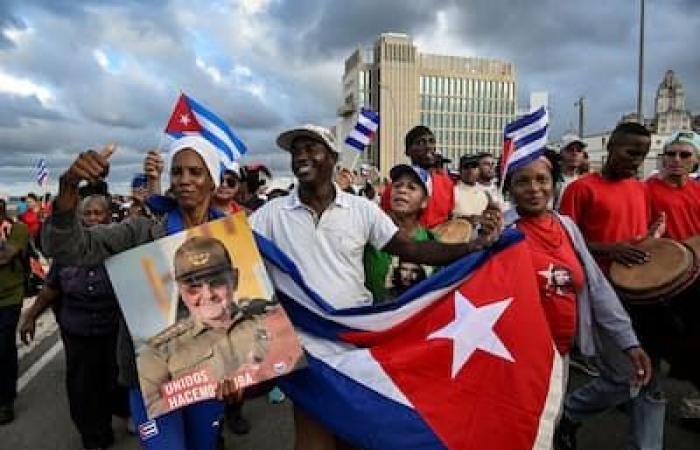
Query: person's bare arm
point(46, 297)
point(435, 253)
point(153, 168)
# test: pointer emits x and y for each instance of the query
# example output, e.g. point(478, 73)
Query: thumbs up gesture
point(90, 165)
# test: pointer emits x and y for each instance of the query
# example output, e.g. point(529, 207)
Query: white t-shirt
point(328, 251)
point(469, 200)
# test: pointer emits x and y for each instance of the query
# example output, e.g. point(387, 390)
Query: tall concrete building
point(465, 101)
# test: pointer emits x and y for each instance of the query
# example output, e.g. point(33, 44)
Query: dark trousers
point(9, 317)
point(91, 382)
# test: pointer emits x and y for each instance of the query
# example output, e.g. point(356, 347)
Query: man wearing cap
point(677, 196)
point(572, 157)
point(409, 196)
point(470, 199)
point(324, 231)
point(420, 149)
point(217, 336)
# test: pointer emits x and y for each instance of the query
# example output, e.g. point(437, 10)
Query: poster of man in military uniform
point(218, 332)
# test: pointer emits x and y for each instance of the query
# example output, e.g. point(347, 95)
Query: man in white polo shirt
point(324, 231)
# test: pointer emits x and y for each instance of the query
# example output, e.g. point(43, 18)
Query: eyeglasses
point(682, 155)
point(470, 166)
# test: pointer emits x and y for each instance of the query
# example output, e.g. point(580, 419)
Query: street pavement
point(43, 421)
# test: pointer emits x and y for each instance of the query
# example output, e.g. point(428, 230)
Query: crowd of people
point(360, 240)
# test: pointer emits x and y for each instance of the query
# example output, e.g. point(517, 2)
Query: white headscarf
point(205, 149)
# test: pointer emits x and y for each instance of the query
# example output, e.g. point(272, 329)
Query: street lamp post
point(640, 82)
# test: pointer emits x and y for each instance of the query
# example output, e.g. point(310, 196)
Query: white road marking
point(35, 368)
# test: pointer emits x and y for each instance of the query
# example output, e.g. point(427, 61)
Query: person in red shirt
point(31, 216)
point(677, 196)
point(613, 210)
point(420, 148)
point(673, 193)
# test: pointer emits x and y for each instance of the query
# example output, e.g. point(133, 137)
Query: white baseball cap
point(571, 138)
point(285, 139)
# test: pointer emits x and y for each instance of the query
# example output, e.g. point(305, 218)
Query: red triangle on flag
point(182, 120)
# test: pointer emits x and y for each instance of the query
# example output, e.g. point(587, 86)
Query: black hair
point(483, 155)
point(628, 129)
point(416, 132)
point(33, 196)
point(554, 159)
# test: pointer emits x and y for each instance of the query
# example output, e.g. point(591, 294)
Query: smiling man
point(324, 231)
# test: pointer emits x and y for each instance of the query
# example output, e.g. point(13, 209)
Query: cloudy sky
point(75, 75)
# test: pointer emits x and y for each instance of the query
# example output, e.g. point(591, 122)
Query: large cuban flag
point(463, 360)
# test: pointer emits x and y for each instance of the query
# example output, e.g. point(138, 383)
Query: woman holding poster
point(194, 176)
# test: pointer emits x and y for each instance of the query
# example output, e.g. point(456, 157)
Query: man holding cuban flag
point(463, 359)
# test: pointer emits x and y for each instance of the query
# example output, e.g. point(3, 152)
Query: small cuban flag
point(191, 117)
point(365, 129)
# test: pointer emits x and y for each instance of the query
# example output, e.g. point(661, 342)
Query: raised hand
point(90, 165)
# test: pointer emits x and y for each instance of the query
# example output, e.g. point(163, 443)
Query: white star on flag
point(472, 329)
point(184, 119)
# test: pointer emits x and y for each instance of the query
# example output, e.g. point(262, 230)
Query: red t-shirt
point(608, 211)
point(559, 275)
point(681, 205)
point(440, 204)
point(31, 219)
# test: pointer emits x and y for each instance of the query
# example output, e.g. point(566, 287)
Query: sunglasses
point(230, 182)
point(682, 155)
point(470, 166)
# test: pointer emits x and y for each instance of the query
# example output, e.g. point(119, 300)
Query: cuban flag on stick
point(365, 129)
point(524, 140)
point(191, 117)
point(42, 173)
point(462, 360)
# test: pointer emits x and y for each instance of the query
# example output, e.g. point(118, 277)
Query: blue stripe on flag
point(342, 405)
point(525, 120)
point(445, 277)
point(525, 160)
point(355, 143)
point(218, 143)
point(371, 115)
point(532, 137)
point(363, 129)
point(216, 120)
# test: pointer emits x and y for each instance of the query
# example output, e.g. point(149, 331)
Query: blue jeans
point(194, 427)
point(9, 317)
point(647, 409)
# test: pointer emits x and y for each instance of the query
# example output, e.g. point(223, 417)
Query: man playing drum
point(612, 210)
point(676, 195)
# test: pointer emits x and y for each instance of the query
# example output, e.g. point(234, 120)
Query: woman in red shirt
point(576, 298)
point(559, 272)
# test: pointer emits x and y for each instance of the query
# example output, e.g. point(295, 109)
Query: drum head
point(669, 261)
point(455, 231)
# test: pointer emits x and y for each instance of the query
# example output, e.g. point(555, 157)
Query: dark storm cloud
point(14, 109)
point(288, 71)
point(317, 28)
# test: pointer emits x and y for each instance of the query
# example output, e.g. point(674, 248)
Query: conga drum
point(453, 231)
point(672, 269)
